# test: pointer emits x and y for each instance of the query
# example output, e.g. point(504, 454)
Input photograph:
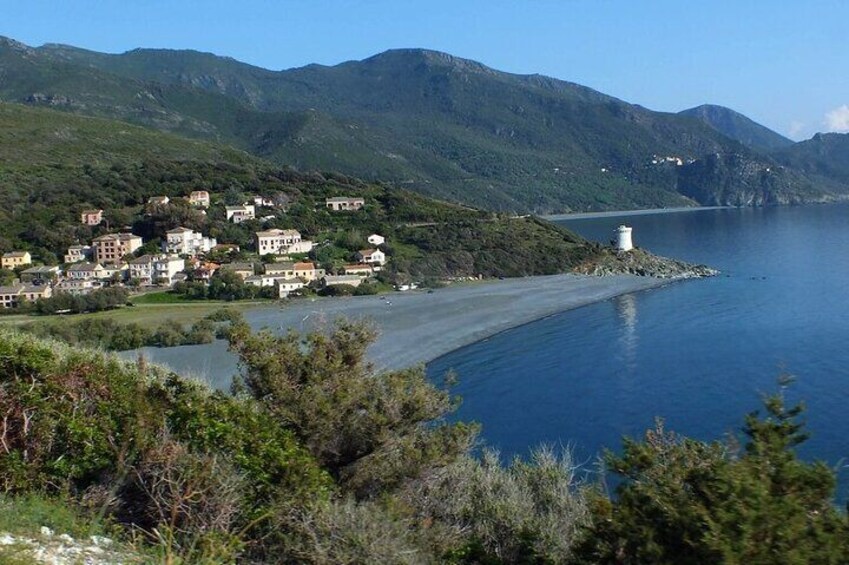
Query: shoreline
point(420, 326)
point(415, 327)
point(624, 213)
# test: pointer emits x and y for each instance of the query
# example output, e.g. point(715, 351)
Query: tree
point(369, 430)
point(687, 501)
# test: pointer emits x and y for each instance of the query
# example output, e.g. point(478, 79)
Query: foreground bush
point(319, 459)
point(186, 466)
point(529, 511)
point(686, 501)
point(370, 431)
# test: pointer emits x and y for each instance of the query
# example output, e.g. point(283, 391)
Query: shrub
point(369, 430)
point(530, 512)
point(682, 500)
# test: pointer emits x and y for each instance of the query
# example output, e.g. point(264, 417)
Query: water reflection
point(626, 310)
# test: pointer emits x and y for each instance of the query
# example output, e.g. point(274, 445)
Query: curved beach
point(419, 326)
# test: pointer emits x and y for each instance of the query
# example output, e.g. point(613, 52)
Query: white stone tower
point(623, 239)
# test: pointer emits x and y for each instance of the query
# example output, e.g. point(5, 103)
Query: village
point(279, 265)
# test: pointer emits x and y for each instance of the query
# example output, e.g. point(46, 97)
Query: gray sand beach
point(416, 326)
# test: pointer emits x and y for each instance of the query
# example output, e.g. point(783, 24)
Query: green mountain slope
point(54, 164)
point(824, 155)
point(436, 124)
point(737, 126)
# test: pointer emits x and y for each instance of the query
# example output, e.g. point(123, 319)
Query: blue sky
point(783, 66)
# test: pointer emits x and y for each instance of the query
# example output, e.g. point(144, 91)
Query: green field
point(149, 315)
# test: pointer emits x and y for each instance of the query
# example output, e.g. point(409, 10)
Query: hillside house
point(183, 241)
point(341, 203)
point(15, 295)
point(276, 241)
point(350, 280)
point(77, 253)
point(85, 271)
point(199, 198)
point(40, 274)
point(77, 287)
point(111, 248)
point(283, 269)
point(239, 214)
point(204, 271)
point(308, 272)
point(91, 217)
point(117, 271)
point(262, 201)
point(14, 259)
point(372, 256)
point(156, 269)
point(286, 286)
point(158, 201)
point(376, 239)
point(244, 270)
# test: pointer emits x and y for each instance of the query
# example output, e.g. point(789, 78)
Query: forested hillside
point(436, 124)
point(54, 165)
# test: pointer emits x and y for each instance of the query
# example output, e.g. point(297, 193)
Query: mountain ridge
point(737, 126)
point(441, 125)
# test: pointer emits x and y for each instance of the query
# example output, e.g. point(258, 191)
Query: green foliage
point(95, 301)
point(318, 459)
point(106, 333)
point(682, 500)
point(526, 512)
point(370, 431)
point(444, 126)
point(27, 513)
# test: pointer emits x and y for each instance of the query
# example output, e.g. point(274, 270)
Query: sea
point(699, 355)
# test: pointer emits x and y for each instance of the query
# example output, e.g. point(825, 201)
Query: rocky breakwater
point(642, 263)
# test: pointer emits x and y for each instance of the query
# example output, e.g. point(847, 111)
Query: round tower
point(623, 239)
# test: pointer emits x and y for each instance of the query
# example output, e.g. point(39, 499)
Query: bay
point(698, 354)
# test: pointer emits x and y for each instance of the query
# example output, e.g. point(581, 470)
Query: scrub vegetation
point(316, 458)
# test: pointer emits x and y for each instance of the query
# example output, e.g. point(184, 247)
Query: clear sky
point(783, 65)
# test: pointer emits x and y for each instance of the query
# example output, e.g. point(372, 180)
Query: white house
point(262, 201)
point(372, 256)
point(158, 269)
point(376, 239)
point(303, 246)
point(276, 241)
point(199, 198)
point(183, 241)
point(85, 271)
point(238, 214)
point(158, 201)
point(77, 287)
point(339, 203)
point(286, 286)
point(78, 253)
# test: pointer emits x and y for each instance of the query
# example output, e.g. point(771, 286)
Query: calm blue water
point(698, 354)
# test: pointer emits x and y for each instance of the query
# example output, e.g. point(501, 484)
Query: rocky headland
point(642, 264)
